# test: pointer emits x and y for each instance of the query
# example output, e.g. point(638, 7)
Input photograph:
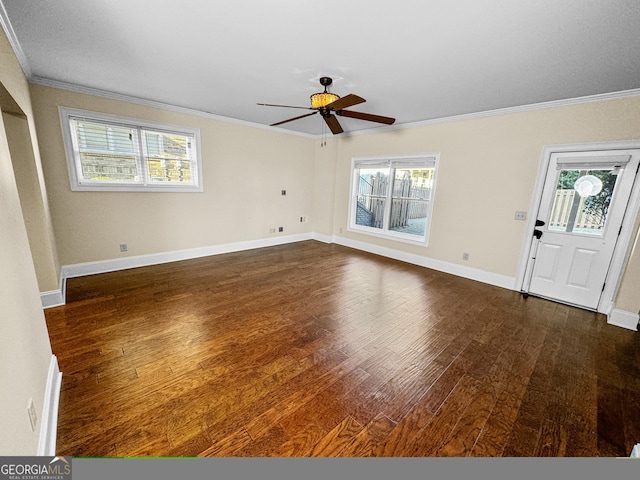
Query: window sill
point(394, 236)
point(138, 188)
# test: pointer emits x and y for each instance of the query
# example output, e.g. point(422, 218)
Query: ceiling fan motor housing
point(326, 81)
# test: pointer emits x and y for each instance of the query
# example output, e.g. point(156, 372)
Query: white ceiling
point(413, 60)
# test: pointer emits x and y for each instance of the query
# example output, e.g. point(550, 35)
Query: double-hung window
point(107, 152)
point(392, 197)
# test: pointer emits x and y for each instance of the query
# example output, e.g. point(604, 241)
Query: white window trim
point(391, 161)
point(65, 115)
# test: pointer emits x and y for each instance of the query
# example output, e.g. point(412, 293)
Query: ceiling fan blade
point(294, 118)
point(345, 102)
point(333, 124)
point(284, 106)
point(366, 116)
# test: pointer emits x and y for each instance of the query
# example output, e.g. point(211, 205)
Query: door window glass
point(582, 201)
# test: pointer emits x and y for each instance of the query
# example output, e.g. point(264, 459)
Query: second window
point(392, 196)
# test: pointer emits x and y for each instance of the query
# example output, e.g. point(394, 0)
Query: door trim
point(621, 250)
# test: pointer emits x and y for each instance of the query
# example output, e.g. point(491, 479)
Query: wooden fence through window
point(408, 202)
point(561, 213)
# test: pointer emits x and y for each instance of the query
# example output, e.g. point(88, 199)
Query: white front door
point(583, 203)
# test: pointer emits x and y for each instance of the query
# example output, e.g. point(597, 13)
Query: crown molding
point(403, 126)
point(47, 82)
point(601, 97)
point(13, 41)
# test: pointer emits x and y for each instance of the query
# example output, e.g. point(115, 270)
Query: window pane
point(112, 153)
point(169, 157)
point(410, 200)
point(106, 152)
point(582, 201)
point(371, 195)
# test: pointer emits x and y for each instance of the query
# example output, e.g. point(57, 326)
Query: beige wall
point(628, 298)
point(33, 201)
point(324, 180)
point(25, 352)
point(487, 171)
point(244, 170)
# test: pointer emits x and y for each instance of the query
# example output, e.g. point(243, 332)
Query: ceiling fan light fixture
point(322, 99)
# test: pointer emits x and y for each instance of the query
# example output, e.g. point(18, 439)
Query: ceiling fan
point(329, 105)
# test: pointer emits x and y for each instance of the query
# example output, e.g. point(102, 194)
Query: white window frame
point(426, 160)
point(145, 185)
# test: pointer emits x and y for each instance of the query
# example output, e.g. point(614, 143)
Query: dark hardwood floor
point(311, 349)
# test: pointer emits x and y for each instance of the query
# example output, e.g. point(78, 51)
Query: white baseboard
point(483, 276)
point(624, 319)
point(49, 427)
point(112, 265)
point(52, 298)
point(322, 238)
point(57, 297)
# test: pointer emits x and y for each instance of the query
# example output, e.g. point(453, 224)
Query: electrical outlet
point(465, 256)
point(33, 416)
point(521, 216)
point(303, 219)
point(272, 230)
point(284, 192)
point(123, 247)
point(281, 229)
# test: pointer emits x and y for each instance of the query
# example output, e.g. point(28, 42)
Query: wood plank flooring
point(310, 349)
